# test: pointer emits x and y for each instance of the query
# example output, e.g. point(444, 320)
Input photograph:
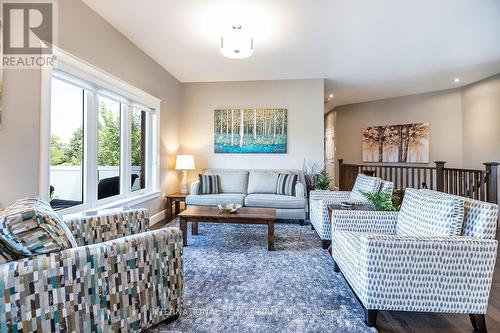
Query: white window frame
point(100, 83)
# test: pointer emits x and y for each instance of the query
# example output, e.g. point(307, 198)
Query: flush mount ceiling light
point(236, 44)
point(456, 80)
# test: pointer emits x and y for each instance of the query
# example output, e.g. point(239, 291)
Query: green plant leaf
point(322, 181)
point(382, 201)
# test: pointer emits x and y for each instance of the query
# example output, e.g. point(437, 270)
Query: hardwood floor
point(412, 322)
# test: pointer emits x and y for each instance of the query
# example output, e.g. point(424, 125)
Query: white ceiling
point(364, 49)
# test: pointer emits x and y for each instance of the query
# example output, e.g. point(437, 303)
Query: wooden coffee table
point(245, 215)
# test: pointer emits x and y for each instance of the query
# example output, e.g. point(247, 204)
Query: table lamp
point(184, 163)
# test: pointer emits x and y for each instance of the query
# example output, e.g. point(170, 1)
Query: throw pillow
point(6, 255)
point(362, 185)
point(231, 181)
point(262, 182)
point(286, 184)
point(480, 217)
point(424, 214)
point(209, 184)
point(30, 227)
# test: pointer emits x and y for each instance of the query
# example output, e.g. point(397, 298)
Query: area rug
point(233, 284)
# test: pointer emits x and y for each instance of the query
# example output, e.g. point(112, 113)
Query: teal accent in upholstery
point(30, 227)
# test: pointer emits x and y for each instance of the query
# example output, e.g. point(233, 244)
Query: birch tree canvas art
point(250, 131)
point(408, 143)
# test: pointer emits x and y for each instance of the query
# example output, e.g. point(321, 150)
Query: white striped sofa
point(253, 188)
point(320, 200)
point(436, 255)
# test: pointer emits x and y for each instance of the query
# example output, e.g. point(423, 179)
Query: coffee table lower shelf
point(245, 215)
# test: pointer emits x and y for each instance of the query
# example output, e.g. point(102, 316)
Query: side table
point(176, 199)
point(333, 207)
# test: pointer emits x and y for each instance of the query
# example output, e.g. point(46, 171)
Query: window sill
point(131, 201)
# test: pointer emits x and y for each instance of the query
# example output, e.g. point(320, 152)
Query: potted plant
point(382, 201)
point(322, 181)
point(310, 174)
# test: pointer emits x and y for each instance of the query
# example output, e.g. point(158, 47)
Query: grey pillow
point(262, 181)
point(231, 181)
point(364, 184)
point(426, 214)
point(30, 227)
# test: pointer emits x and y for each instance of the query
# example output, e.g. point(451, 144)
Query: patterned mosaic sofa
point(320, 200)
point(121, 277)
point(417, 260)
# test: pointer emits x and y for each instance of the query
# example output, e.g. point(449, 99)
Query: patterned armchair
point(121, 277)
point(320, 200)
point(417, 260)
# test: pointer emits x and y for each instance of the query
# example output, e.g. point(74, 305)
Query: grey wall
point(481, 123)
point(464, 123)
point(330, 119)
point(302, 98)
point(88, 36)
point(442, 110)
point(20, 135)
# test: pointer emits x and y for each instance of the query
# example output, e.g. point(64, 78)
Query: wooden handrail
point(472, 183)
point(456, 169)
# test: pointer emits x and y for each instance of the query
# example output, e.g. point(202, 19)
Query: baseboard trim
point(160, 216)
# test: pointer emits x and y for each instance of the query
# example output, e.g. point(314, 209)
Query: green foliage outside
point(382, 201)
point(57, 153)
point(109, 142)
point(136, 137)
point(108, 138)
point(74, 151)
point(322, 181)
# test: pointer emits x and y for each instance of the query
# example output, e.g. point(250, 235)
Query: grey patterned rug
point(233, 284)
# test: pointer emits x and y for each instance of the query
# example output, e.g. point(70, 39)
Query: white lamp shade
point(236, 44)
point(184, 162)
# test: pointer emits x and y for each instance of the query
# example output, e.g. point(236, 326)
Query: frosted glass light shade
point(236, 44)
point(184, 162)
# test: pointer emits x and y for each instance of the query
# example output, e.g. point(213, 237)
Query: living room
point(250, 166)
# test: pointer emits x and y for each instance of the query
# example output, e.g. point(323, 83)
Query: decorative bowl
point(228, 208)
point(347, 205)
